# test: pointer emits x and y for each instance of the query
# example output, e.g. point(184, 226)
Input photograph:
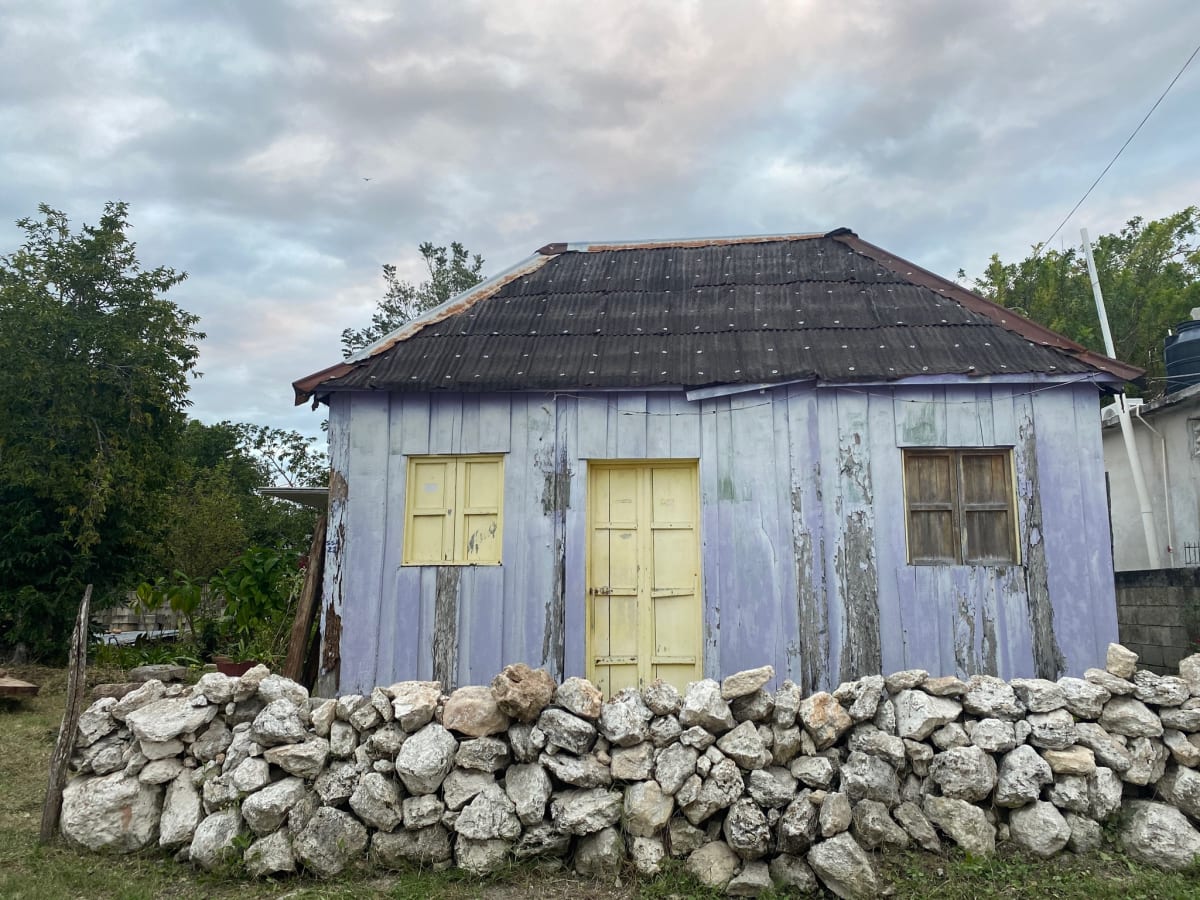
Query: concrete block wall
point(1158, 615)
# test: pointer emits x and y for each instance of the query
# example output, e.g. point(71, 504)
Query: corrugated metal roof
point(722, 311)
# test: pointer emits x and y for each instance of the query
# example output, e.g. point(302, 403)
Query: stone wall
point(748, 786)
point(1157, 615)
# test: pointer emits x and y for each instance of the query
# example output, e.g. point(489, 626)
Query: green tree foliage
point(216, 511)
point(1150, 275)
point(94, 384)
point(450, 273)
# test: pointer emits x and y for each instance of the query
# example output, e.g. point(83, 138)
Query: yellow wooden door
point(644, 605)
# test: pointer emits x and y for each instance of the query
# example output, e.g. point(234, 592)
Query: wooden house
point(685, 458)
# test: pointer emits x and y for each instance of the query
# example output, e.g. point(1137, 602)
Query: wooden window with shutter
point(453, 510)
point(960, 507)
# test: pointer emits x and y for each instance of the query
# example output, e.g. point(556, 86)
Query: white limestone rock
point(336, 784)
point(144, 695)
point(875, 829)
point(746, 830)
point(870, 778)
point(1160, 690)
point(661, 698)
point(990, 697)
point(647, 809)
point(1180, 787)
point(181, 813)
point(1086, 835)
point(772, 788)
point(704, 707)
point(303, 760)
point(824, 719)
point(1084, 700)
point(1117, 687)
point(866, 738)
point(489, 816)
point(844, 868)
point(461, 785)
point(673, 766)
point(168, 718)
point(792, 874)
point(799, 825)
point(910, 817)
point(743, 683)
point(376, 800)
point(713, 865)
point(567, 731)
point(250, 775)
point(1159, 835)
point(1149, 761)
point(529, 788)
point(745, 747)
point(582, 812)
point(965, 824)
point(1182, 750)
point(1109, 750)
point(1052, 730)
point(579, 697)
point(1105, 791)
point(330, 841)
point(426, 758)
point(216, 687)
point(634, 763)
point(1189, 671)
point(422, 812)
point(414, 703)
point(1130, 717)
point(110, 813)
point(1120, 661)
point(625, 719)
point(580, 771)
point(1070, 792)
point(275, 687)
point(1038, 694)
point(967, 773)
point(96, 722)
point(992, 735)
point(215, 840)
point(266, 810)
point(814, 771)
point(1039, 828)
point(427, 847)
point(1022, 775)
point(270, 855)
point(600, 855)
point(343, 740)
point(918, 714)
point(835, 815)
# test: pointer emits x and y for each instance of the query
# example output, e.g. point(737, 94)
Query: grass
point(55, 872)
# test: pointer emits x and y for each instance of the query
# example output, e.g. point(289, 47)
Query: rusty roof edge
point(1001, 315)
point(306, 387)
point(656, 243)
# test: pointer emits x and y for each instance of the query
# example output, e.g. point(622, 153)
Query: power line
point(1067, 217)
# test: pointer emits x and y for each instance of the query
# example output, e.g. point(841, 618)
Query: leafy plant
point(258, 588)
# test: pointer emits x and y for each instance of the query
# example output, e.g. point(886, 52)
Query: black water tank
point(1181, 351)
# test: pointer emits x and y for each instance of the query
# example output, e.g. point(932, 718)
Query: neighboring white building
point(1167, 432)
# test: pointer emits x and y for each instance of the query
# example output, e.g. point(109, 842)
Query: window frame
point(454, 538)
point(959, 507)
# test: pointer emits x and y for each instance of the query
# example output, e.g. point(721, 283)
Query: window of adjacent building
point(960, 507)
point(453, 513)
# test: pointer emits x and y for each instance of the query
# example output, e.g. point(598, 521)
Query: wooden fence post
point(76, 682)
point(306, 606)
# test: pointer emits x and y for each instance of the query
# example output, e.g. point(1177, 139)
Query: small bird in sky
point(365, 178)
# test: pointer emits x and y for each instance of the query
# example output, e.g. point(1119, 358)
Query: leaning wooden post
point(76, 682)
point(306, 607)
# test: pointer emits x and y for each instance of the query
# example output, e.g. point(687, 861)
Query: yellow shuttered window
point(960, 507)
point(453, 513)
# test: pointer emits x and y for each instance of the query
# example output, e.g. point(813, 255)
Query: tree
point(216, 512)
point(449, 274)
point(94, 386)
point(1150, 275)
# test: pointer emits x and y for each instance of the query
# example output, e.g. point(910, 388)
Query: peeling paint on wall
point(964, 638)
point(1048, 658)
point(445, 626)
point(861, 649)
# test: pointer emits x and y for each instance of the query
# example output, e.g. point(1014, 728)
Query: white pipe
point(1139, 479)
point(1166, 480)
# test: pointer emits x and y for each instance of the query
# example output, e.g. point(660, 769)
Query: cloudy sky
point(242, 133)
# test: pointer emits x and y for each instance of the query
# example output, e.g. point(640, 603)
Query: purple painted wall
point(804, 559)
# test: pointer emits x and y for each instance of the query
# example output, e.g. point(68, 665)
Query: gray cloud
point(242, 135)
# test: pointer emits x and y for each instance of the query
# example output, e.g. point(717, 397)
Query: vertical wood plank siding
point(804, 554)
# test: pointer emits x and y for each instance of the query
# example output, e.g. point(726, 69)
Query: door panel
point(644, 604)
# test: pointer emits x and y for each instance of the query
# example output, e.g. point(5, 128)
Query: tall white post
point(1153, 550)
